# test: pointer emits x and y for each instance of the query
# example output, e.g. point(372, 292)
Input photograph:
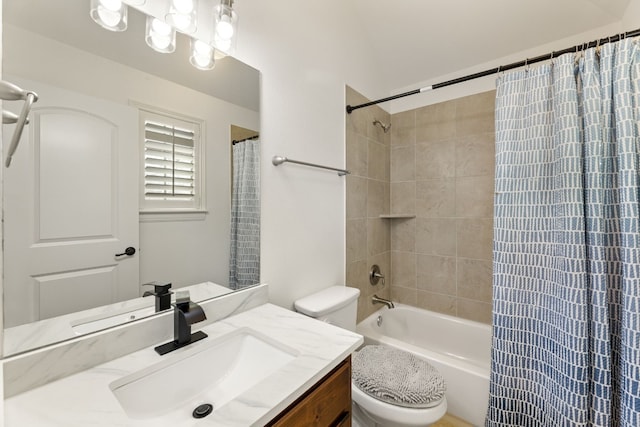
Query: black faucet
point(185, 314)
point(162, 294)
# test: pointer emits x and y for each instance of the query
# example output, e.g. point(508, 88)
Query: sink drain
point(202, 410)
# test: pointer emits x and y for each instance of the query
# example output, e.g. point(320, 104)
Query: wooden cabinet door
point(327, 404)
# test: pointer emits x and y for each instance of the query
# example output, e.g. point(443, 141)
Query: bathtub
point(460, 349)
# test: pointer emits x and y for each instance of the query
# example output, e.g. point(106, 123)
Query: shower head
point(384, 127)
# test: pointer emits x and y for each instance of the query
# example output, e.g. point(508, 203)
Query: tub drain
point(202, 410)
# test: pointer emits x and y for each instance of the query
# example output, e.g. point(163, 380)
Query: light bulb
point(182, 21)
point(160, 42)
point(112, 5)
point(224, 29)
point(202, 60)
point(202, 55)
point(160, 28)
point(160, 36)
point(182, 15)
point(109, 14)
point(110, 18)
point(201, 47)
point(183, 6)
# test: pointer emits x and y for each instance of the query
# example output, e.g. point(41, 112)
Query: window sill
point(166, 215)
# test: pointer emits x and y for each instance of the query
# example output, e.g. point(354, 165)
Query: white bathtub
point(460, 349)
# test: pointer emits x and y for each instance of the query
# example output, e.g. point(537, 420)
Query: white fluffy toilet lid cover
point(397, 377)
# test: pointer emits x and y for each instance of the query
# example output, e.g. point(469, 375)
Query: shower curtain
point(244, 260)
point(566, 318)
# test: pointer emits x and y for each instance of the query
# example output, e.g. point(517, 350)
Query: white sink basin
point(99, 322)
point(213, 372)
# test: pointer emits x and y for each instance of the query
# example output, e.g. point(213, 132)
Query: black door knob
point(129, 251)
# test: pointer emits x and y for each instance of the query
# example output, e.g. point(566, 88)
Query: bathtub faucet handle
point(375, 275)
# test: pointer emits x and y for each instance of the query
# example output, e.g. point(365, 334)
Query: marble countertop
point(44, 332)
point(84, 399)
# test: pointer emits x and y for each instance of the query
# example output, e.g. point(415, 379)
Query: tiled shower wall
point(436, 163)
point(368, 236)
point(442, 170)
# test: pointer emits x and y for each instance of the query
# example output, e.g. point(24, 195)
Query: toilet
point(338, 306)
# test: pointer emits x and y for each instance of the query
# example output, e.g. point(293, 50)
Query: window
point(171, 163)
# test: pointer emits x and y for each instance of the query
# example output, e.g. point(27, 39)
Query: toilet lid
point(397, 377)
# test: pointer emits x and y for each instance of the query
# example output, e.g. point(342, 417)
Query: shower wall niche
point(437, 163)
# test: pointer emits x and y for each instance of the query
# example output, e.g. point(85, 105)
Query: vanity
point(262, 366)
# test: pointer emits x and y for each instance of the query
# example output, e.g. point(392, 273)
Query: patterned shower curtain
point(566, 319)
point(244, 260)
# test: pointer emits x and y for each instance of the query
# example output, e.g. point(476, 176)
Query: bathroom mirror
point(72, 197)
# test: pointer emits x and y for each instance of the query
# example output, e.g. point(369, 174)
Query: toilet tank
point(337, 305)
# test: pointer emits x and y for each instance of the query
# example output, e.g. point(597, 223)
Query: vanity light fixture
point(161, 36)
point(182, 15)
point(109, 14)
point(225, 26)
point(202, 55)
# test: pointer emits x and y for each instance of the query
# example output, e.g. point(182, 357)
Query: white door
point(70, 205)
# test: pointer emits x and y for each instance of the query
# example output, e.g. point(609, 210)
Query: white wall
point(307, 51)
point(631, 18)
point(183, 252)
point(488, 83)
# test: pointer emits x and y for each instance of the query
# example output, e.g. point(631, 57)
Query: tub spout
point(377, 300)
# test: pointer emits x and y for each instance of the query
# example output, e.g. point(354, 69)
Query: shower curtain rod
point(576, 48)
point(235, 141)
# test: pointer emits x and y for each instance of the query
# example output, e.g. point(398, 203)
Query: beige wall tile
point(356, 197)
point(356, 121)
point(387, 198)
point(357, 154)
point(475, 154)
point(437, 302)
point(474, 197)
point(402, 295)
point(475, 114)
point(403, 128)
point(436, 236)
point(378, 160)
point(437, 274)
point(435, 160)
point(403, 163)
point(474, 310)
point(475, 279)
point(365, 307)
point(403, 269)
point(403, 235)
point(356, 240)
point(353, 97)
point(475, 238)
point(358, 275)
point(436, 122)
point(375, 192)
point(436, 198)
point(378, 236)
point(403, 197)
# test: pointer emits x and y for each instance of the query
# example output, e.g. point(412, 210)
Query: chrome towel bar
point(278, 160)
point(11, 92)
